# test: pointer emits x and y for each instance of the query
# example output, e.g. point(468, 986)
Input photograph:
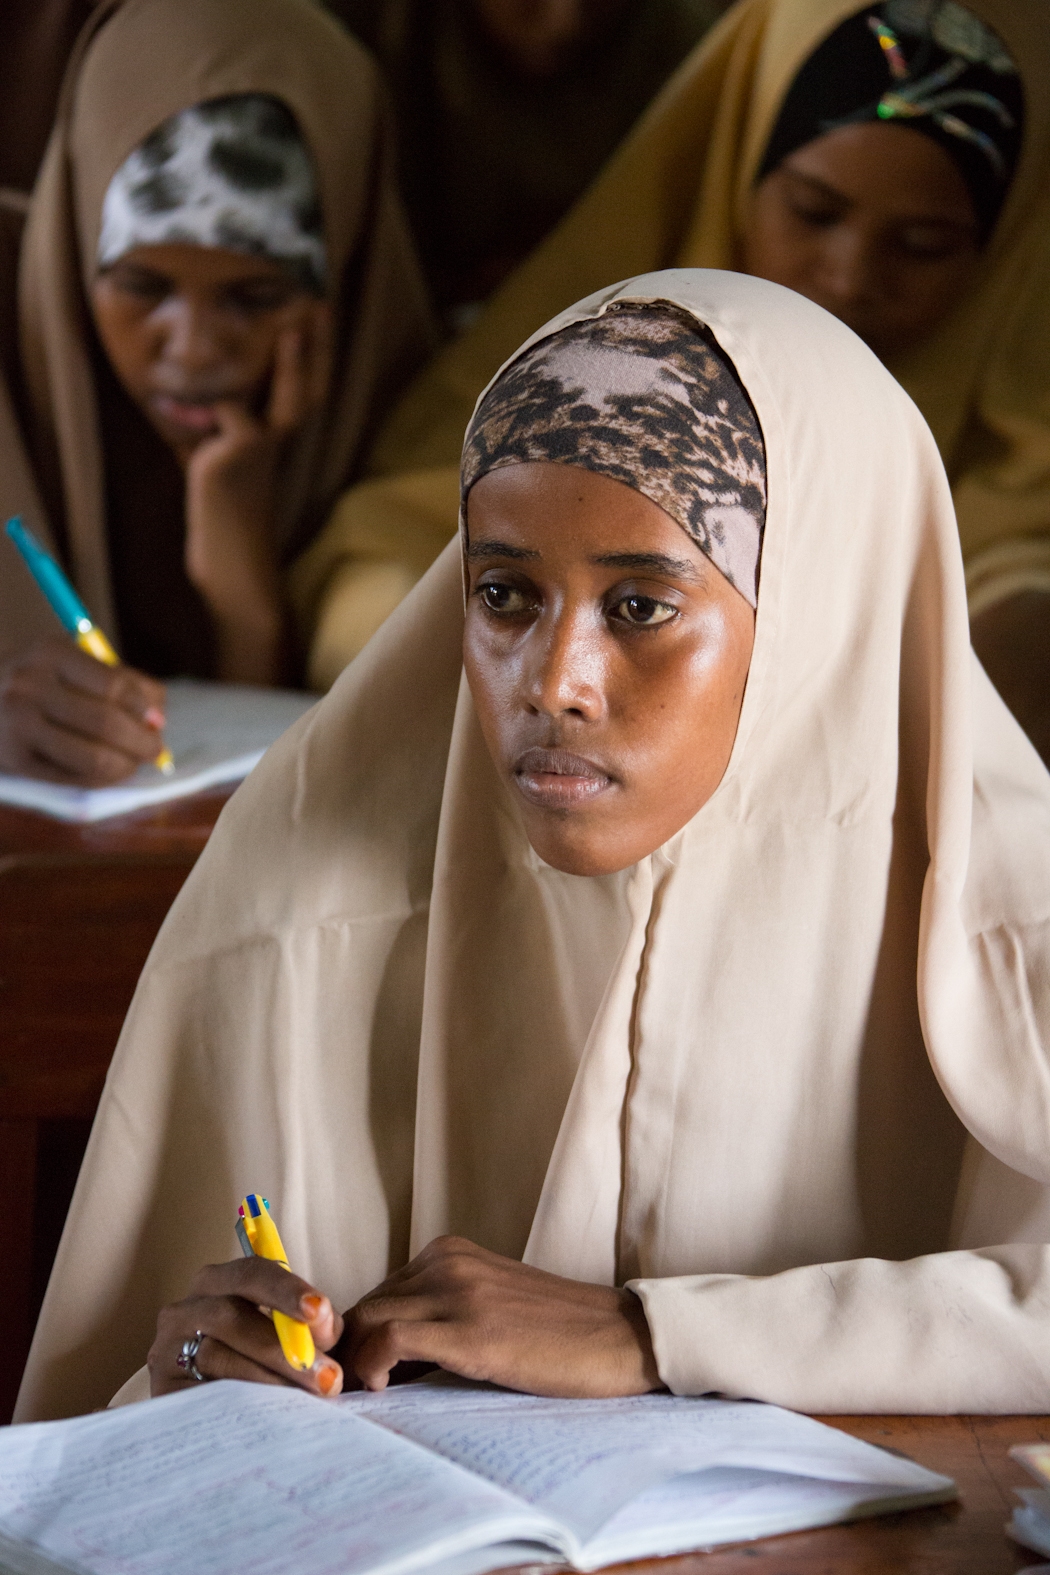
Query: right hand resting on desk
point(65, 717)
point(238, 1340)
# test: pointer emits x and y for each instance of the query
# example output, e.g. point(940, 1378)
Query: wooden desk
point(957, 1539)
point(79, 909)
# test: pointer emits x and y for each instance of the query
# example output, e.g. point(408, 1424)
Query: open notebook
point(217, 733)
point(456, 1478)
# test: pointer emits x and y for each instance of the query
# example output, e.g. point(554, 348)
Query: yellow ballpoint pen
point(69, 609)
point(258, 1235)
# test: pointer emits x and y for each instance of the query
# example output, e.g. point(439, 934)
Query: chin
point(182, 444)
point(577, 854)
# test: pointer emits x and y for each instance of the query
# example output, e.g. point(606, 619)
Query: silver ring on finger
point(186, 1361)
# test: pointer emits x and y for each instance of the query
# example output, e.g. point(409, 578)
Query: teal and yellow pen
point(68, 608)
point(258, 1236)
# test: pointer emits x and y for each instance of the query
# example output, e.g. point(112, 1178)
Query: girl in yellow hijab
point(683, 191)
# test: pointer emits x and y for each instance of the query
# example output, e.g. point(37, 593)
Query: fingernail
point(155, 717)
point(326, 1375)
point(311, 1306)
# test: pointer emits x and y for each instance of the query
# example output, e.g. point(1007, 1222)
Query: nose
point(558, 21)
point(848, 275)
point(564, 668)
point(193, 339)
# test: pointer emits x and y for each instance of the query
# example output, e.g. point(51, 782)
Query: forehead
point(889, 167)
point(563, 517)
point(190, 263)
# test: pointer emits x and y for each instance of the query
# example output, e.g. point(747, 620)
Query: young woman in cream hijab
point(217, 300)
point(763, 154)
point(645, 980)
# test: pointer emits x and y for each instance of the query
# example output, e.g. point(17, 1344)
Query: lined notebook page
point(240, 1477)
point(580, 1461)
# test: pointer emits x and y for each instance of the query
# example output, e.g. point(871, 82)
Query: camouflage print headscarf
point(232, 173)
point(643, 395)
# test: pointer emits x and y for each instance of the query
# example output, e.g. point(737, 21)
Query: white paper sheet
point(1030, 1524)
point(580, 1460)
point(216, 732)
point(240, 1479)
point(733, 1504)
point(237, 1478)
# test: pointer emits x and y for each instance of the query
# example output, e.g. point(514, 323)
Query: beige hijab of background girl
point(135, 65)
point(779, 1076)
point(675, 195)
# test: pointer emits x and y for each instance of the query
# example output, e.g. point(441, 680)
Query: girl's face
point(542, 38)
point(607, 658)
point(875, 224)
point(188, 327)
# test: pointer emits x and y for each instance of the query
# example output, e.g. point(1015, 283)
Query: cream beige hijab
point(137, 63)
point(789, 1076)
point(675, 195)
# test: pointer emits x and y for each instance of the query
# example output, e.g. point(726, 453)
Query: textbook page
point(581, 1461)
point(243, 1479)
point(216, 732)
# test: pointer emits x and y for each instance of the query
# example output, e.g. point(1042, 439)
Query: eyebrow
point(639, 562)
point(938, 220)
point(815, 181)
point(651, 563)
point(489, 547)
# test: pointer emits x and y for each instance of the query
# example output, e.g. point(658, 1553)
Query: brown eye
point(818, 218)
point(930, 243)
point(502, 598)
point(644, 612)
point(255, 296)
point(141, 283)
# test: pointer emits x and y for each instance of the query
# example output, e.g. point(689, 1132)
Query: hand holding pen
point(251, 1319)
point(72, 713)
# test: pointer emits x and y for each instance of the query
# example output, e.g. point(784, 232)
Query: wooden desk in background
point(79, 908)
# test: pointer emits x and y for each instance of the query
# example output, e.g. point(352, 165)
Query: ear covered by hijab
point(189, 57)
point(675, 195)
point(788, 1077)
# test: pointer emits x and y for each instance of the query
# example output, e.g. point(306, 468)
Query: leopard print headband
point(643, 395)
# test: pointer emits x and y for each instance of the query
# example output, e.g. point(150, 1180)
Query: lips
point(557, 779)
point(193, 415)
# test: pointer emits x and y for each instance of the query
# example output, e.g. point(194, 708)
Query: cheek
point(489, 678)
point(927, 291)
point(774, 248)
point(126, 336)
point(253, 345)
point(682, 722)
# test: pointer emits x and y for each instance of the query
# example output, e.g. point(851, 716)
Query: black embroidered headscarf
point(643, 395)
point(930, 65)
